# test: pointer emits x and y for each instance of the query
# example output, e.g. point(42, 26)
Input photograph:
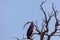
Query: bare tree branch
point(45, 25)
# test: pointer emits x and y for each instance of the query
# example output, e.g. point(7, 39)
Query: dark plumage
point(30, 30)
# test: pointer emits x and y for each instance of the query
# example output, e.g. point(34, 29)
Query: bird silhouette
point(30, 30)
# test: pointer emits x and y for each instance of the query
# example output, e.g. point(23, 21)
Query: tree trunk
point(41, 38)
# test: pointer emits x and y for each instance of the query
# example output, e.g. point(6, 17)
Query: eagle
point(30, 30)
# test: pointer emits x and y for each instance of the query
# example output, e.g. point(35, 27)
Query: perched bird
point(30, 30)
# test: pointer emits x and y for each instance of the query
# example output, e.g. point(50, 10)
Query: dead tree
point(45, 28)
point(45, 25)
point(56, 23)
point(45, 21)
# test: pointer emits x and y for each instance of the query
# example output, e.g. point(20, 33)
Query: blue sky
point(15, 13)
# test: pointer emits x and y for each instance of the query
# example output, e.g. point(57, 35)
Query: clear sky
point(15, 13)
